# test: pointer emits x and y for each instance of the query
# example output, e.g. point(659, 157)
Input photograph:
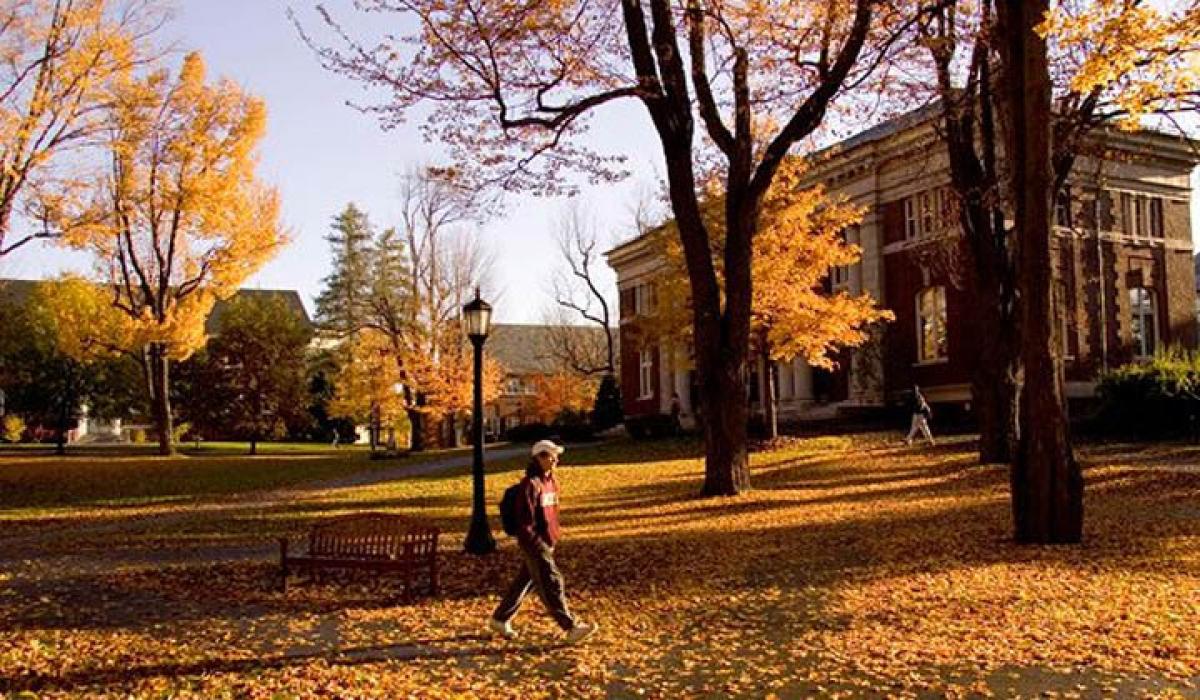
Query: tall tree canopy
point(177, 218)
point(58, 59)
point(510, 87)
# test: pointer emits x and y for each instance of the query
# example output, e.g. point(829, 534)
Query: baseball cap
point(545, 446)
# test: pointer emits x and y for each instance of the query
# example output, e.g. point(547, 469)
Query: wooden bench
point(380, 542)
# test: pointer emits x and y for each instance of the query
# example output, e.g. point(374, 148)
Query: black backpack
point(508, 509)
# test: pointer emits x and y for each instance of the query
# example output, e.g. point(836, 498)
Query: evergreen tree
point(343, 303)
point(607, 410)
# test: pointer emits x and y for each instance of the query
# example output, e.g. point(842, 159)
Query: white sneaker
point(504, 629)
point(580, 632)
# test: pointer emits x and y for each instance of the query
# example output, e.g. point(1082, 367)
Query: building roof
point(903, 122)
point(289, 297)
point(17, 291)
point(529, 348)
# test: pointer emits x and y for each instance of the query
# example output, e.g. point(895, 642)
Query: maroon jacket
point(537, 509)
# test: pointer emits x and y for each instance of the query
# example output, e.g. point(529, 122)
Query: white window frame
point(928, 213)
point(1156, 217)
point(646, 373)
point(643, 300)
point(840, 275)
point(1143, 215)
point(939, 321)
point(1144, 344)
point(911, 223)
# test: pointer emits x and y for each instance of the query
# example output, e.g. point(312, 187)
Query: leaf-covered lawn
point(855, 567)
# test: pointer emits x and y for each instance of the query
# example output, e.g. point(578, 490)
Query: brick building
point(1124, 268)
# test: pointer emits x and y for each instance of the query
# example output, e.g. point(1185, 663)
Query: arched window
point(1143, 324)
point(931, 325)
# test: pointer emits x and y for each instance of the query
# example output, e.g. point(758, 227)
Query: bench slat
point(375, 541)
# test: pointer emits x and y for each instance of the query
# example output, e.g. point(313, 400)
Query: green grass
point(267, 448)
point(187, 448)
point(38, 481)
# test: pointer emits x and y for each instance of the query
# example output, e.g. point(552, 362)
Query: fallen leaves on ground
point(855, 567)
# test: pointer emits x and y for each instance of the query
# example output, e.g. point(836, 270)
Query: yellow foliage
point(85, 324)
point(49, 107)
point(800, 240)
point(180, 219)
point(562, 391)
point(368, 380)
point(374, 373)
point(1143, 58)
point(859, 568)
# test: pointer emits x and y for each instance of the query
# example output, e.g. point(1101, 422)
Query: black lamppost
point(477, 315)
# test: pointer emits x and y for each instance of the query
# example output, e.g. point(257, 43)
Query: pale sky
point(322, 154)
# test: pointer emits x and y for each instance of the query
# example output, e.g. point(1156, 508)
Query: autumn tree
point(59, 60)
point(177, 218)
point(446, 262)
point(1047, 484)
point(511, 86)
point(395, 296)
point(367, 384)
point(1112, 62)
point(49, 378)
point(793, 313)
point(561, 392)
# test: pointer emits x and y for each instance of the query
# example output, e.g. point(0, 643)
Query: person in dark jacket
point(921, 415)
point(537, 514)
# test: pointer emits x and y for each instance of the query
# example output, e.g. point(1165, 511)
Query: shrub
point(13, 428)
point(607, 411)
point(530, 432)
point(1159, 398)
point(574, 426)
point(655, 425)
point(137, 436)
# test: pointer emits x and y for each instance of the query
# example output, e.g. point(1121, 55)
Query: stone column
point(802, 381)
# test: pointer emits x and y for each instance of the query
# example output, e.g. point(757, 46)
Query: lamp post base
point(479, 538)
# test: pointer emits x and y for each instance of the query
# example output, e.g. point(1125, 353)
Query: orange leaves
point(58, 62)
point(1141, 58)
point(563, 391)
point(178, 215)
point(856, 569)
point(800, 243)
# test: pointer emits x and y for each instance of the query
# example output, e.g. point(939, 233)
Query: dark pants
point(538, 571)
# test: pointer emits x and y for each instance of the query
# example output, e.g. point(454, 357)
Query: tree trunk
point(993, 388)
point(1047, 485)
point(160, 398)
point(64, 414)
point(770, 405)
point(726, 462)
point(254, 444)
point(417, 420)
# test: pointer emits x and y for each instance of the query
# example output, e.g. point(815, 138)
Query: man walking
point(534, 512)
point(921, 415)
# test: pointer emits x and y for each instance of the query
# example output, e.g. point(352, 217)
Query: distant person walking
point(530, 513)
point(921, 415)
point(676, 412)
